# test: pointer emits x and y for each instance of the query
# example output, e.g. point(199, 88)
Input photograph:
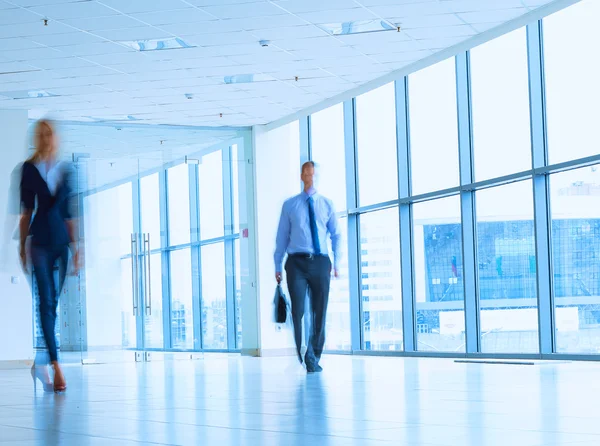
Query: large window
point(376, 140)
point(506, 263)
point(500, 101)
point(210, 184)
point(338, 312)
point(214, 306)
point(238, 295)
point(328, 151)
point(571, 77)
point(434, 154)
point(235, 185)
point(150, 208)
point(575, 205)
point(380, 279)
point(179, 204)
point(438, 269)
point(182, 311)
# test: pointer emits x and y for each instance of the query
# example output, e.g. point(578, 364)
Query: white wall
point(277, 158)
point(16, 329)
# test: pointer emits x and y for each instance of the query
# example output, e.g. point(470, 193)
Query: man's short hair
point(308, 164)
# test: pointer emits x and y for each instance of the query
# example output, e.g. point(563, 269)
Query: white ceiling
point(79, 57)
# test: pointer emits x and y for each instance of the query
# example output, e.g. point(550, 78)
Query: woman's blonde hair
point(41, 125)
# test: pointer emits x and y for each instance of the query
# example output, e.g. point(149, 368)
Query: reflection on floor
point(228, 400)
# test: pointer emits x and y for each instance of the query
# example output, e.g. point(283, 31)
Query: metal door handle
point(134, 272)
point(149, 277)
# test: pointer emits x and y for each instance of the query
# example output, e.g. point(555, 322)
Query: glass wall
point(438, 273)
point(328, 150)
point(501, 256)
point(181, 212)
point(575, 212)
point(500, 103)
point(506, 266)
point(380, 280)
point(571, 78)
point(434, 155)
point(376, 142)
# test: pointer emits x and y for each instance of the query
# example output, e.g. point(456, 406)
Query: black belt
point(306, 255)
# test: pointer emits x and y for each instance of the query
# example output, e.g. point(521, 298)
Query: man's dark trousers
point(306, 272)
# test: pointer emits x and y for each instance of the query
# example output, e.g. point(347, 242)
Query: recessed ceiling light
point(359, 27)
point(169, 43)
point(248, 78)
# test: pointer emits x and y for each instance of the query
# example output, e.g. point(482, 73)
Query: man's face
point(308, 176)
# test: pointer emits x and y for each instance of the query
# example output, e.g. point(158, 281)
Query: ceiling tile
point(482, 5)
point(131, 34)
point(16, 44)
point(291, 32)
point(220, 39)
point(95, 49)
point(187, 15)
point(17, 16)
point(244, 10)
point(269, 22)
point(338, 16)
point(423, 8)
point(296, 7)
point(33, 29)
point(12, 67)
point(317, 43)
point(33, 54)
point(80, 38)
point(441, 31)
point(74, 10)
point(140, 6)
point(70, 62)
point(426, 21)
point(30, 3)
point(99, 23)
point(503, 15)
point(95, 70)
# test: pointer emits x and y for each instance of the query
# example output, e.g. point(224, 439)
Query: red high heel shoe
point(37, 373)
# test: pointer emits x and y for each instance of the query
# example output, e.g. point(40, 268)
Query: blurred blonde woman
point(47, 222)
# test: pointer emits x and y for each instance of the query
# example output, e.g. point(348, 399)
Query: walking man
point(302, 234)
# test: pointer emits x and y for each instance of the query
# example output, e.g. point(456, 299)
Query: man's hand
point(336, 273)
point(278, 277)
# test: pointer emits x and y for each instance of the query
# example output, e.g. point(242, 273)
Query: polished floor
point(229, 400)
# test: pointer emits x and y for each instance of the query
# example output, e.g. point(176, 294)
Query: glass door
point(120, 286)
point(150, 262)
